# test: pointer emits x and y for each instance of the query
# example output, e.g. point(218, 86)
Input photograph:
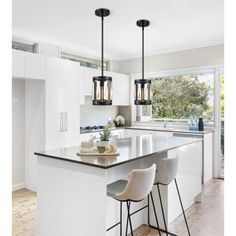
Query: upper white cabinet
point(120, 86)
point(121, 89)
point(18, 64)
point(35, 66)
point(87, 81)
point(28, 65)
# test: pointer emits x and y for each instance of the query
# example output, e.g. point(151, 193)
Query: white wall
point(34, 128)
point(96, 115)
point(18, 133)
point(208, 56)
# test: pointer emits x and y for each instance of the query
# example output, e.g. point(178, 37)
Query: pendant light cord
point(142, 52)
point(102, 44)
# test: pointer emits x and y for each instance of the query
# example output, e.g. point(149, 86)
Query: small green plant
point(106, 133)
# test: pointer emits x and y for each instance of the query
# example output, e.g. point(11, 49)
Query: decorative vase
point(105, 144)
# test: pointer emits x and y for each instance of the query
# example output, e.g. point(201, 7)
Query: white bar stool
point(138, 186)
point(166, 173)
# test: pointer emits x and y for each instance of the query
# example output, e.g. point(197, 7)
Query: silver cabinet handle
point(61, 122)
point(66, 121)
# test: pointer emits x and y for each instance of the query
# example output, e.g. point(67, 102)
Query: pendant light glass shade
point(102, 85)
point(142, 86)
point(102, 90)
point(142, 92)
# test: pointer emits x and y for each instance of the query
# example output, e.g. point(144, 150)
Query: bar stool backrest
point(167, 170)
point(139, 184)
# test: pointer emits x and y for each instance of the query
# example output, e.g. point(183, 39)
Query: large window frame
point(174, 122)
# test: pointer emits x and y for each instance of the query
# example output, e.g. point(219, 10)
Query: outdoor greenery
point(181, 97)
point(222, 81)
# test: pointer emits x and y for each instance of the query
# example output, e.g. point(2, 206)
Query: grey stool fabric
point(116, 187)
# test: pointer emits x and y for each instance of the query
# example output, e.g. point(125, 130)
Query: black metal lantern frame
point(142, 86)
point(102, 85)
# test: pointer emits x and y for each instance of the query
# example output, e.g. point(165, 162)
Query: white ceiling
point(174, 24)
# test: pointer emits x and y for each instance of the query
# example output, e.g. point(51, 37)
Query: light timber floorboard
point(205, 219)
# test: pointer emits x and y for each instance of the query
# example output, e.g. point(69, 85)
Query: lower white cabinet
point(62, 103)
point(137, 132)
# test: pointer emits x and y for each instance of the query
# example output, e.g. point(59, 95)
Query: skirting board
point(19, 186)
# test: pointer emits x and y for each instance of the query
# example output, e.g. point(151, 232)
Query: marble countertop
point(130, 149)
point(170, 129)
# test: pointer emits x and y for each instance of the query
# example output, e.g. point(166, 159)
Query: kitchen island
point(71, 194)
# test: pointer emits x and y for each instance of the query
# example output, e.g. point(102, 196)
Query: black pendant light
point(142, 86)
point(102, 85)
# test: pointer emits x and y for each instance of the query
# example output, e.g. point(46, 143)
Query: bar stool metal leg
point(127, 222)
point(155, 213)
point(120, 218)
point(148, 211)
point(162, 209)
point(182, 206)
point(129, 219)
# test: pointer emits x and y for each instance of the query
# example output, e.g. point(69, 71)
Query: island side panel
point(188, 178)
point(71, 199)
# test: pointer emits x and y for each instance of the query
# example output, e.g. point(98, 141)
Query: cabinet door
point(35, 66)
point(163, 133)
point(121, 89)
point(18, 64)
point(72, 104)
point(55, 77)
point(88, 75)
point(208, 157)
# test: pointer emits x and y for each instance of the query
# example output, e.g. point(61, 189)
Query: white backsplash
point(96, 115)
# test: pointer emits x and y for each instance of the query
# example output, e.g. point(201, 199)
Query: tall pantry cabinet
point(62, 103)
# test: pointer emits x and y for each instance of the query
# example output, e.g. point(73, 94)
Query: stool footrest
point(113, 226)
point(162, 230)
point(140, 209)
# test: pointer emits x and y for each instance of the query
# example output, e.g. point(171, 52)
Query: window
point(180, 97)
point(84, 61)
point(27, 47)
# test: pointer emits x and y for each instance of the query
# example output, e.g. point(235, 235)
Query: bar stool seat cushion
point(166, 171)
point(116, 187)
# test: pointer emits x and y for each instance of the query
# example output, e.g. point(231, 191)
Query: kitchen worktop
point(170, 129)
point(87, 131)
point(130, 149)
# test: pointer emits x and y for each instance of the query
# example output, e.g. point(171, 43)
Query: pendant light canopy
point(142, 86)
point(102, 85)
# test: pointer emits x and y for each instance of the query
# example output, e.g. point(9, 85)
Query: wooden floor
point(205, 219)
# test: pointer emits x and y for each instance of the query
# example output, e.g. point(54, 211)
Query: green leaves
point(180, 97)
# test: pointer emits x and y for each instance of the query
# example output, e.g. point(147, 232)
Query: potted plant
point(105, 135)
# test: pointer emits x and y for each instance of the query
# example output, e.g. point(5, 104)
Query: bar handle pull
point(61, 121)
point(66, 121)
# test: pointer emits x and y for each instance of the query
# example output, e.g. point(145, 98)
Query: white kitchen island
point(71, 195)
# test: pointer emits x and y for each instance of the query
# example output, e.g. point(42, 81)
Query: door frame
point(217, 113)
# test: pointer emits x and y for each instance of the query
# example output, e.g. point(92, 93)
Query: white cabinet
point(87, 80)
point(62, 103)
point(55, 75)
point(208, 157)
point(71, 103)
point(28, 65)
point(120, 86)
point(207, 149)
point(121, 89)
point(137, 132)
point(35, 66)
point(18, 64)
